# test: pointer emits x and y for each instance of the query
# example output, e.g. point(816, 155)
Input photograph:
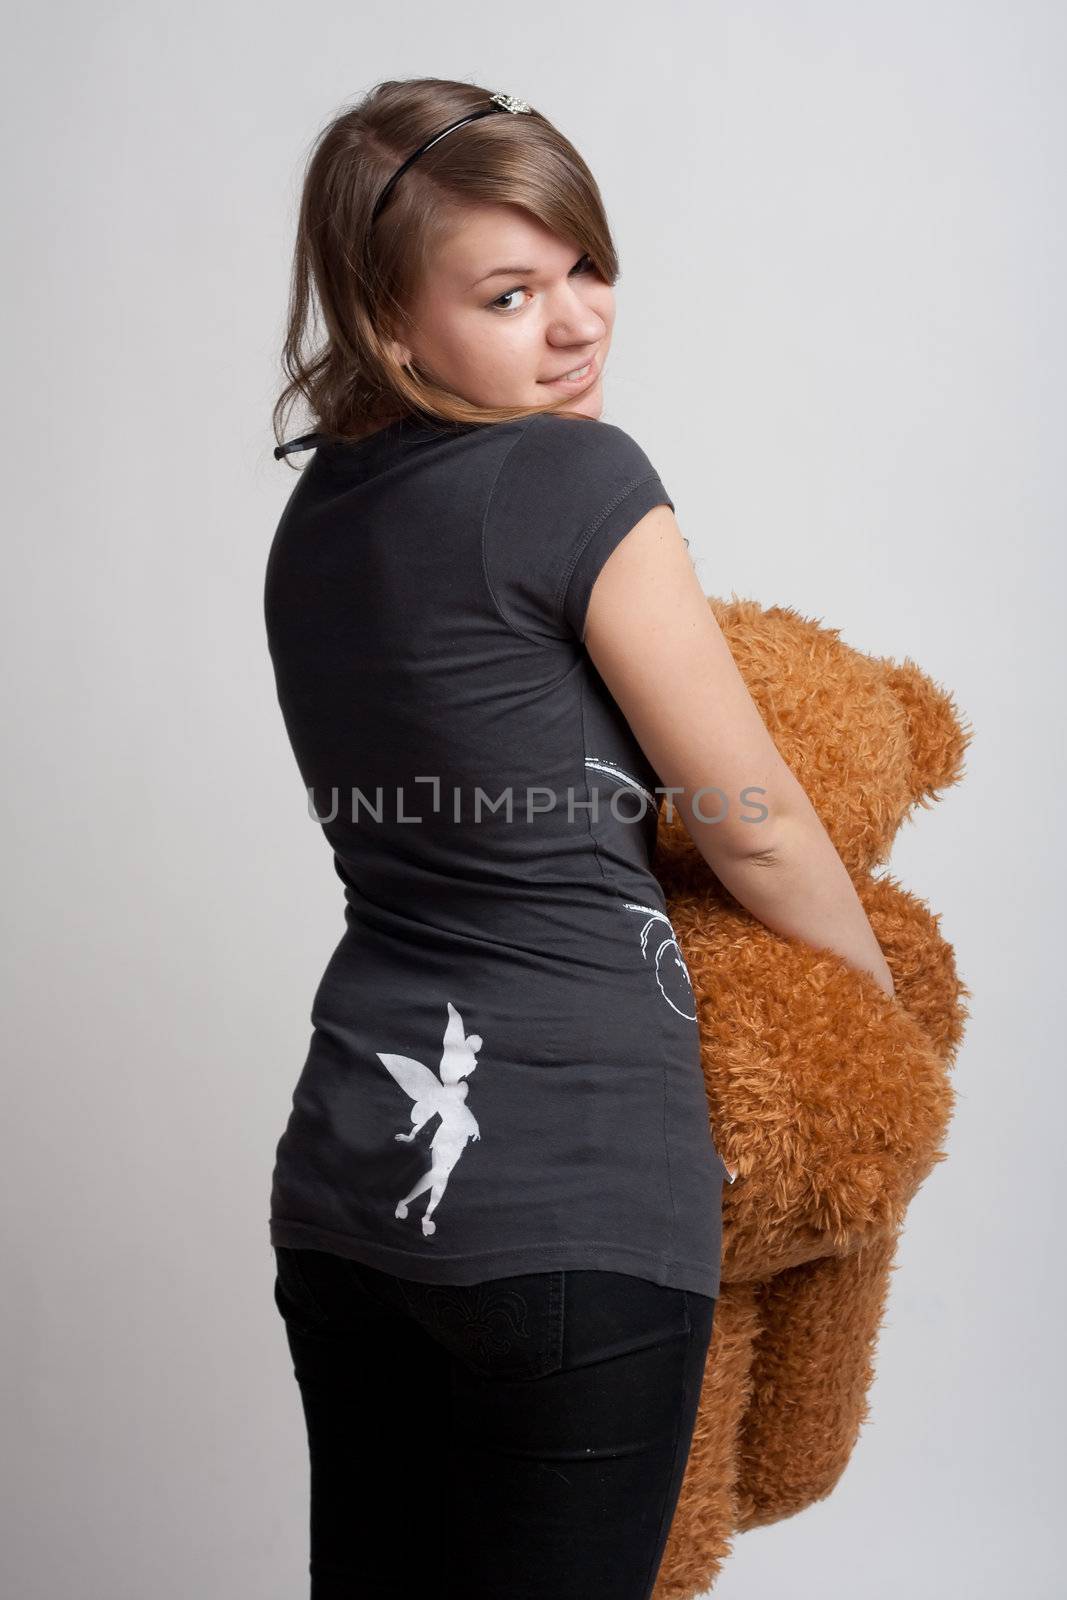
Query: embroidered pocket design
point(482, 1318)
point(502, 1327)
point(444, 1097)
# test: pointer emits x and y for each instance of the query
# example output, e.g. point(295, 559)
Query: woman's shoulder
point(570, 439)
point(573, 425)
point(563, 497)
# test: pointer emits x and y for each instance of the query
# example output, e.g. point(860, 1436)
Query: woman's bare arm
point(655, 642)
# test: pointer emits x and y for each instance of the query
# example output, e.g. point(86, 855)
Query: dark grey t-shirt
point(504, 1072)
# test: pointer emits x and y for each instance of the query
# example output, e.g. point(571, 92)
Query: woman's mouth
point(576, 378)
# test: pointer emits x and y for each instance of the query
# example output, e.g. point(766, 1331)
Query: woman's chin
point(589, 404)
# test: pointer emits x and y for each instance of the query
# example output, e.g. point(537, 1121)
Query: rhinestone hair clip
point(498, 102)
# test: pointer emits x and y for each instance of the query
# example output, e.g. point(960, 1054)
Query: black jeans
point(523, 1438)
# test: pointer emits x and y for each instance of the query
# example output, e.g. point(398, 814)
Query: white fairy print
point(445, 1097)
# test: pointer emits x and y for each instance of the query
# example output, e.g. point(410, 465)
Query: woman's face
point(506, 309)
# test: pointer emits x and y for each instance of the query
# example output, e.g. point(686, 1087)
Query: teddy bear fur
point(827, 1098)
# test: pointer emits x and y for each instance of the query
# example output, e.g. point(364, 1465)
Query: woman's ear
point(400, 352)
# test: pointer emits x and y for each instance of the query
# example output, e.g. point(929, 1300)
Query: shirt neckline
point(386, 447)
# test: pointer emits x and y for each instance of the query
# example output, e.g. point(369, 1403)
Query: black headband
point(499, 102)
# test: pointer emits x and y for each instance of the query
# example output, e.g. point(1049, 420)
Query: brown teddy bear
point(828, 1099)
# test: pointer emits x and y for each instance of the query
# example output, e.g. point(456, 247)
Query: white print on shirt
point(672, 974)
point(445, 1098)
point(602, 764)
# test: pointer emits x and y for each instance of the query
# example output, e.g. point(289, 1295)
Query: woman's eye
point(583, 264)
point(496, 303)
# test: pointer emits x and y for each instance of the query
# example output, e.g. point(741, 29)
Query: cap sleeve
point(568, 492)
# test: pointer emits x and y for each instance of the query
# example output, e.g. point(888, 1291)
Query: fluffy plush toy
point(827, 1098)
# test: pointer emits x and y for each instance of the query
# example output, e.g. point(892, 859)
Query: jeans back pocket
point(499, 1328)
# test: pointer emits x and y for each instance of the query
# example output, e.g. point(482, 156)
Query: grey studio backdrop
point(841, 337)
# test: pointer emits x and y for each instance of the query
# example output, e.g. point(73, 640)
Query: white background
point(839, 337)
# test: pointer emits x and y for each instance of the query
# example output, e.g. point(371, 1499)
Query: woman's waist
point(626, 995)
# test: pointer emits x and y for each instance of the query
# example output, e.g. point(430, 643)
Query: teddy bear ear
point(937, 735)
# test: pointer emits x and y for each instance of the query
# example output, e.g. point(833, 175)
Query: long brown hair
point(359, 282)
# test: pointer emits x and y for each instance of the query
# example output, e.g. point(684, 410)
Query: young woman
point(496, 1203)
